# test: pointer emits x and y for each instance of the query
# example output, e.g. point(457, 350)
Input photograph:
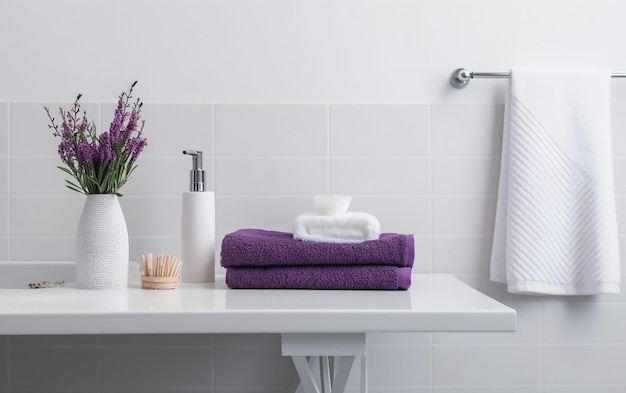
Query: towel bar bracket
point(460, 78)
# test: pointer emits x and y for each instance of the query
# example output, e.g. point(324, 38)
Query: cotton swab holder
point(160, 271)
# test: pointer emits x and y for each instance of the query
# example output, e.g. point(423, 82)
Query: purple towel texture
point(259, 247)
point(319, 277)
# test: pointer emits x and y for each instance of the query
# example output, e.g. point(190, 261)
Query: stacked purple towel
point(256, 258)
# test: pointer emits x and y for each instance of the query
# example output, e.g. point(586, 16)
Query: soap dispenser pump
point(198, 226)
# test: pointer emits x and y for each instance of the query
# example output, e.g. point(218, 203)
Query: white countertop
point(434, 303)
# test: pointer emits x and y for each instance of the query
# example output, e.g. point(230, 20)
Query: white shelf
point(434, 303)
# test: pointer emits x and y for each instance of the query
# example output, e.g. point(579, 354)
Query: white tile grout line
point(430, 187)
point(8, 358)
point(99, 375)
point(8, 125)
point(328, 182)
point(213, 145)
point(212, 350)
point(430, 228)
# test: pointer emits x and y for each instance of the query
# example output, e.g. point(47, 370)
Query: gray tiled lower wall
point(139, 363)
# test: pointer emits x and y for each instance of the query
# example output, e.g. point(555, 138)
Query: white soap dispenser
point(198, 226)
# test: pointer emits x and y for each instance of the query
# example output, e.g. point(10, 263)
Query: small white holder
point(331, 205)
point(324, 360)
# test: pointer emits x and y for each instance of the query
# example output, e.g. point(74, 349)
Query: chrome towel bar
point(461, 76)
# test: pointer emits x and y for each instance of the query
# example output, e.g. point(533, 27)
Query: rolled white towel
point(352, 227)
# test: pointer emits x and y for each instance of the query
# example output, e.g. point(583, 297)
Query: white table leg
point(343, 373)
point(319, 348)
point(325, 374)
point(307, 378)
point(313, 366)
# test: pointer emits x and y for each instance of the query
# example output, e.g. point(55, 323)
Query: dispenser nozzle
point(196, 180)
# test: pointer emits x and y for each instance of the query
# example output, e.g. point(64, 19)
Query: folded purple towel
point(259, 247)
point(319, 277)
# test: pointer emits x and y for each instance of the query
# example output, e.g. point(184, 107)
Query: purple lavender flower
point(135, 146)
point(66, 130)
point(84, 123)
point(131, 126)
point(100, 164)
point(116, 126)
point(85, 153)
point(105, 152)
point(67, 152)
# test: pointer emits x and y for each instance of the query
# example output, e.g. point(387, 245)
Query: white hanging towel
point(556, 229)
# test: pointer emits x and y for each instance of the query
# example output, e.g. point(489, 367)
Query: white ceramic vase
point(102, 244)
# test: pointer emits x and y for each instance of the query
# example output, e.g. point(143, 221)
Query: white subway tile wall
point(430, 170)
